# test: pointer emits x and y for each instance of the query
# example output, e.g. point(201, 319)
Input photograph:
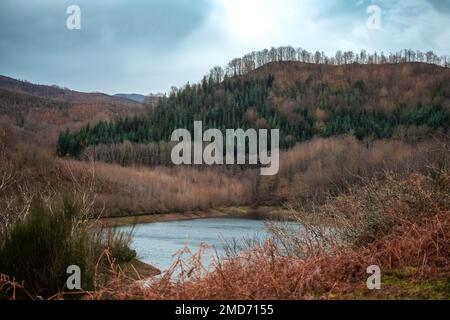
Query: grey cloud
point(441, 5)
point(35, 43)
point(148, 45)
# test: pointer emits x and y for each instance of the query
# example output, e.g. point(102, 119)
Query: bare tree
point(256, 59)
point(217, 74)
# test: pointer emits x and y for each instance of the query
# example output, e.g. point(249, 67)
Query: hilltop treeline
point(256, 59)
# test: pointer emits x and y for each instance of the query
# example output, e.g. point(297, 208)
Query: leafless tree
point(256, 59)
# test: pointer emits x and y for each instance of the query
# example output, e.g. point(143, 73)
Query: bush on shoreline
point(37, 250)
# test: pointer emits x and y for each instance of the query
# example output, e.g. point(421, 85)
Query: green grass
point(406, 285)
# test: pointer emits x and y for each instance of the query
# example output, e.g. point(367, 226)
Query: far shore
point(268, 213)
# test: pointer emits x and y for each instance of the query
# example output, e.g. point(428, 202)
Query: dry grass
point(261, 274)
point(28, 172)
point(418, 240)
point(140, 190)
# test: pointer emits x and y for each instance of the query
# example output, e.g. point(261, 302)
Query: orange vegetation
point(417, 247)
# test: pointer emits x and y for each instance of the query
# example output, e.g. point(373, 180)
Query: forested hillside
point(303, 100)
point(37, 113)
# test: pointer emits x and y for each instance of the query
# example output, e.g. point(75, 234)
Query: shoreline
point(266, 213)
point(149, 271)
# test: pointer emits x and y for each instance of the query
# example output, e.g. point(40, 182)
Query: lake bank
point(148, 270)
point(266, 213)
point(137, 269)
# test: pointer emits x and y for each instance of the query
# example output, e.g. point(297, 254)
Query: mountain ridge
point(37, 113)
point(55, 92)
point(131, 96)
point(301, 100)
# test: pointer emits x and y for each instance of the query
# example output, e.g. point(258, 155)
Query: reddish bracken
point(336, 273)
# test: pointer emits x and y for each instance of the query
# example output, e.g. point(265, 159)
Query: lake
point(157, 243)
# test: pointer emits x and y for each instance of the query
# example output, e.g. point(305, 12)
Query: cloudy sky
point(146, 46)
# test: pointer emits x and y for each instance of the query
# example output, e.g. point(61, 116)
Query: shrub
point(119, 244)
point(37, 250)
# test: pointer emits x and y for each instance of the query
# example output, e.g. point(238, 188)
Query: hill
point(39, 112)
point(303, 100)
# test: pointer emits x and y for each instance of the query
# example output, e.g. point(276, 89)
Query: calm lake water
point(157, 243)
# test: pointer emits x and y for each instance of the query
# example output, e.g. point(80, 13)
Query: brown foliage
point(421, 242)
point(44, 111)
point(385, 86)
point(313, 170)
point(140, 190)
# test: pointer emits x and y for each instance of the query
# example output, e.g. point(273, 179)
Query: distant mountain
point(57, 93)
point(131, 96)
point(39, 112)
